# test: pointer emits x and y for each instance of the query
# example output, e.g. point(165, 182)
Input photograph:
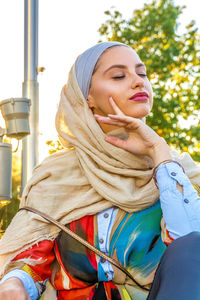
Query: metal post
point(30, 88)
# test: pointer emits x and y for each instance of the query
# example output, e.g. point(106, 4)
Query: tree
point(54, 146)
point(172, 62)
point(7, 212)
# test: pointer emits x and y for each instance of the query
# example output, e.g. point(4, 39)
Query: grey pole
point(30, 88)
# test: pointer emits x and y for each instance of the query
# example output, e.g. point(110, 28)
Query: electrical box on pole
point(16, 111)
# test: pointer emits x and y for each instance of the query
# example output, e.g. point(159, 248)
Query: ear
point(90, 101)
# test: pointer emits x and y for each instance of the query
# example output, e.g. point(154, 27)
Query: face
point(120, 74)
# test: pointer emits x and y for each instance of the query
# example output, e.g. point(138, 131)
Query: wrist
point(160, 152)
point(14, 281)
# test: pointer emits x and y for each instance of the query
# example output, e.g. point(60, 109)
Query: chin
point(139, 112)
point(139, 115)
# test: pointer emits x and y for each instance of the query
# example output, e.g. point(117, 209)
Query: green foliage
point(173, 67)
point(54, 146)
point(8, 211)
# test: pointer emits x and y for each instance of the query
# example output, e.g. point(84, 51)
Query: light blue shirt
point(26, 280)
point(180, 211)
point(105, 220)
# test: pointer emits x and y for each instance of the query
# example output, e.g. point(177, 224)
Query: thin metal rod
point(30, 88)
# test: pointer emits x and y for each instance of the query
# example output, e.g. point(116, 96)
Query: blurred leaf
point(54, 146)
point(172, 62)
point(7, 212)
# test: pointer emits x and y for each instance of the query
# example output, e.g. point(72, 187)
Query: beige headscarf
point(88, 177)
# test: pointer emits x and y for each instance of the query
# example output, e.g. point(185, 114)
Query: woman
point(102, 187)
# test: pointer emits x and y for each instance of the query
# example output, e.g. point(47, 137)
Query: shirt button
point(106, 215)
point(186, 201)
point(101, 241)
point(102, 260)
point(173, 173)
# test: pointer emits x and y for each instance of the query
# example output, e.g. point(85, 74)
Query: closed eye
point(143, 75)
point(118, 77)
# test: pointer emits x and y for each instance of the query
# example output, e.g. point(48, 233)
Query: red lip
point(141, 96)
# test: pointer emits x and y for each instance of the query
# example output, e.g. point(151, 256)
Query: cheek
point(150, 91)
point(102, 92)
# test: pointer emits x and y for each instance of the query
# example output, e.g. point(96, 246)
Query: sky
point(66, 28)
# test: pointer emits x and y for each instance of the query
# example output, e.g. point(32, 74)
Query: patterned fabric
point(74, 270)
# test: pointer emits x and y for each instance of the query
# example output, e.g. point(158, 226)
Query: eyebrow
point(123, 67)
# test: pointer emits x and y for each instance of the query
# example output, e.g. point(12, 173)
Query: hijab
point(90, 175)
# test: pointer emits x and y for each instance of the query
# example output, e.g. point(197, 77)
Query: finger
point(129, 121)
point(107, 120)
point(116, 142)
point(115, 107)
point(121, 118)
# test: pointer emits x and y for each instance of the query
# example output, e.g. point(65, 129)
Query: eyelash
point(118, 77)
point(143, 75)
point(123, 76)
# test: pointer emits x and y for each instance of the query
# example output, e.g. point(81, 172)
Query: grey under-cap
point(86, 62)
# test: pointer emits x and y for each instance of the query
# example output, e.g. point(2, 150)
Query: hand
point(13, 289)
point(142, 140)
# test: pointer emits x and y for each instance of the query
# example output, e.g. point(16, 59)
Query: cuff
point(169, 174)
point(27, 281)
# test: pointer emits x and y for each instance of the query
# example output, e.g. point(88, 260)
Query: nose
point(137, 81)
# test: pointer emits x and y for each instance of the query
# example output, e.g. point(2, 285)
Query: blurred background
point(165, 34)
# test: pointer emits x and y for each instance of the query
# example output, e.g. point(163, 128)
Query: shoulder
point(67, 155)
point(56, 164)
point(54, 171)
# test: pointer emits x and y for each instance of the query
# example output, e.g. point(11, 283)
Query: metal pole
point(30, 88)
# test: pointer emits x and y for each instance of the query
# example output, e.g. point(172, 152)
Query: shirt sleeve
point(27, 281)
point(36, 269)
point(181, 212)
